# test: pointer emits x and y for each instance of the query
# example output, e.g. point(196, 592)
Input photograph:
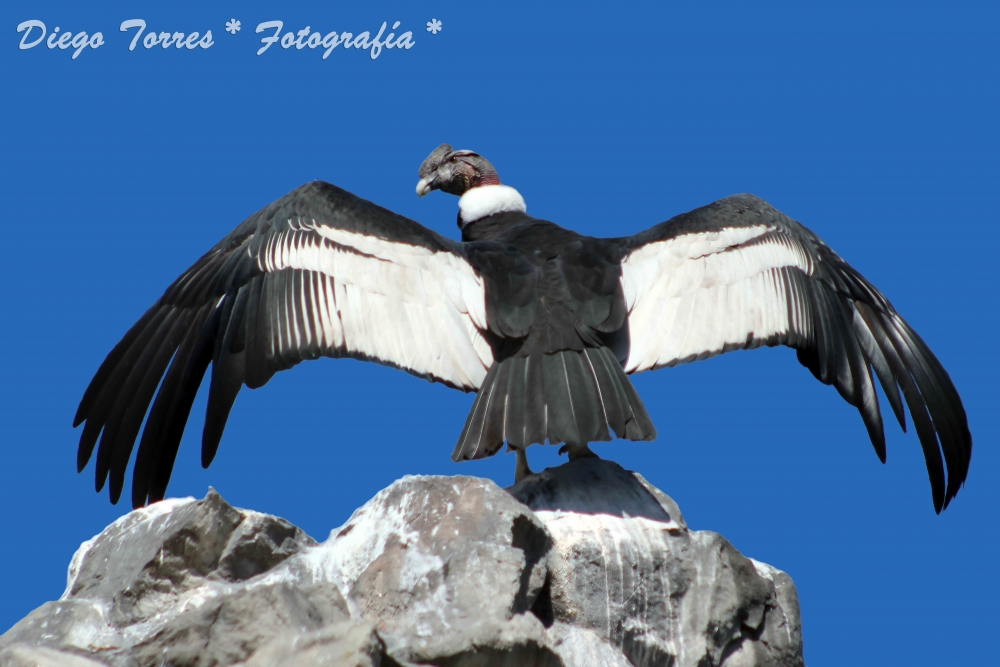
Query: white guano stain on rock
point(580, 565)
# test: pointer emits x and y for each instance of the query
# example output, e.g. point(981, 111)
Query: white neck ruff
point(487, 200)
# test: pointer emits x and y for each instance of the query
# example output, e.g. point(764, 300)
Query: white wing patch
point(402, 304)
point(698, 295)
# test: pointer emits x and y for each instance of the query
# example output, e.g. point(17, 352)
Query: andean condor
point(544, 323)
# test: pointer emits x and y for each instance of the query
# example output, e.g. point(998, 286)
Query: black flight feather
point(556, 322)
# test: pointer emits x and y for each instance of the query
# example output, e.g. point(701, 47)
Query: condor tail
point(570, 396)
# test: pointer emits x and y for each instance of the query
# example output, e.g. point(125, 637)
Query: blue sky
point(875, 124)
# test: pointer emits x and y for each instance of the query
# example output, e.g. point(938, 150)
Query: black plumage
point(842, 328)
point(544, 323)
point(554, 299)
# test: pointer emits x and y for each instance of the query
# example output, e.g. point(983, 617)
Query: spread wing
point(319, 272)
point(738, 274)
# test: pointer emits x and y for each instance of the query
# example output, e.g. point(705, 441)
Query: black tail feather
point(560, 411)
point(536, 421)
point(496, 406)
point(516, 398)
point(616, 412)
point(569, 396)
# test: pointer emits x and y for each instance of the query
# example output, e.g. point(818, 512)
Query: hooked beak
point(425, 185)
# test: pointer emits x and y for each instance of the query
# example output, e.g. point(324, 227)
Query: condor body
point(543, 323)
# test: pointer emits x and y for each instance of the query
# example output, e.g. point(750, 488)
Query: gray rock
point(441, 564)
point(145, 562)
point(182, 582)
point(520, 641)
point(79, 625)
point(230, 627)
point(22, 655)
point(583, 648)
point(584, 564)
point(626, 567)
point(349, 643)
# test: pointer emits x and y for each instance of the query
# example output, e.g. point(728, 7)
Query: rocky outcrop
point(625, 566)
point(584, 564)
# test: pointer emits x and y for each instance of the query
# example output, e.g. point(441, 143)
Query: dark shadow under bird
point(543, 323)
